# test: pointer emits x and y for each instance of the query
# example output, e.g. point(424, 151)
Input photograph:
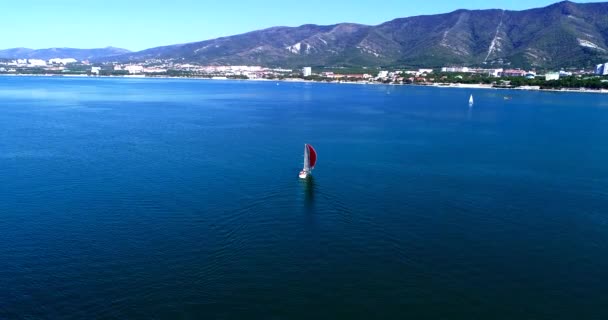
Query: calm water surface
point(179, 199)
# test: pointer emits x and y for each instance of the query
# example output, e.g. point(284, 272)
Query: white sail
point(306, 160)
point(471, 100)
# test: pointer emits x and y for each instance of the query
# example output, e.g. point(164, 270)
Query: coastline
point(522, 88)
point(298, 80)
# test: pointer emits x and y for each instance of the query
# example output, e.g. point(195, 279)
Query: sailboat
point(310, 160)
point(471, 100)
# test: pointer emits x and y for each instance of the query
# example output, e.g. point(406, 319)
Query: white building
point(456, 69)
point(383, 74)
point(307, 71)
point(62, 61)
point(95, 70)
point(250, 75)
point(550, 76)
point(494, 72)
point(246, 68)
point(134, 69)
point(154, 70)
point(422, 71)
point(36, 63)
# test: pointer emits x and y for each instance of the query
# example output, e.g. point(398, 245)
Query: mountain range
point(565, 34)
point(46, 54)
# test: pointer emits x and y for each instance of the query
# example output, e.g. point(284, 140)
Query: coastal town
point(595, 79)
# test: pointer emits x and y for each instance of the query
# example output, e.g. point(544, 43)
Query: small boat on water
point(471, 100)
point(310, 160)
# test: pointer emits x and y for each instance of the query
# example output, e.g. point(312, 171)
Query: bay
point(179, 199)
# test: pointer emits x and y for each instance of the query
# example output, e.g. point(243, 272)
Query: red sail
point(312, 156)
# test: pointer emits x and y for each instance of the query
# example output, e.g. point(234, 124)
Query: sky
point(142, 24)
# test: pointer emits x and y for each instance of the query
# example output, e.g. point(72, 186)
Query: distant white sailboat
point(471, 100)
point(310, 160)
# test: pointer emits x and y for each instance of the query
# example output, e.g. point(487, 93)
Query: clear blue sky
point(141, 24)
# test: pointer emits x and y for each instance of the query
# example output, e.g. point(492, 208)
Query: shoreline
point(297, 80)
point(522, 88)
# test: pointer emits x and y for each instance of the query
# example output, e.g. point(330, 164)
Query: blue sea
point(180, 199)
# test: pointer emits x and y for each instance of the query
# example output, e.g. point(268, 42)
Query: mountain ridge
point(558, 35)
point(563, 34)
point(50, 53)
